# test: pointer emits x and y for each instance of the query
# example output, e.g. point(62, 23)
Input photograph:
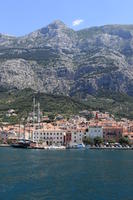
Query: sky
point(20, 17)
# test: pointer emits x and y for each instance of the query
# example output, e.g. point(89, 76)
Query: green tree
point(111, 141)
point(9, 141)
point(124, 141)
point(88, 140)
point(98, 140)
point(1, 141)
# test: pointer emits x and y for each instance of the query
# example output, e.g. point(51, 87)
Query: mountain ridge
point(59, 60)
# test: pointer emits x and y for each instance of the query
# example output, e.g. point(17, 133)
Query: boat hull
point(20, 146)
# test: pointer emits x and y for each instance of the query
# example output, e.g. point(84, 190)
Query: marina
point(101, 132)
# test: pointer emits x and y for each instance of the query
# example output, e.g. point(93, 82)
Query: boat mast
point(34, 104)
point(38, 115)
point(38, 118)
point(24, 129)
point(19, 129)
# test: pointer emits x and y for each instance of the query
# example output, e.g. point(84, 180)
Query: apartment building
point(74, 136)
point(50, 136)
point(112, 133)
point(94, 131)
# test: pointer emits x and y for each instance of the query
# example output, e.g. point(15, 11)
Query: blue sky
point(19, 17)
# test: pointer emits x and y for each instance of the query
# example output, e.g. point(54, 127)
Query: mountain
point(58, 60)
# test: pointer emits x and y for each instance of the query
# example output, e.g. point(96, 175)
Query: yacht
point(21, 144)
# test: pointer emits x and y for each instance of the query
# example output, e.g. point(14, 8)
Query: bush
point(124, 141)
point(88, 141)
point(98, 140)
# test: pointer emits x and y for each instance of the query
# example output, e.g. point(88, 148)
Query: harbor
point(101, 131)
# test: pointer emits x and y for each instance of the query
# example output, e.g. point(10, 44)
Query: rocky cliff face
point(59, 60)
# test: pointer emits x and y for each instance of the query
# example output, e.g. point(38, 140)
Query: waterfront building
point(74, 137)
point(112, 133)
point(50, 136)
point(94, 131)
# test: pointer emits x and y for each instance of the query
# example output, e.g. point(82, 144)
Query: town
point(101, 130)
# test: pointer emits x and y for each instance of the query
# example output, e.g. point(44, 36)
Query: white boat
point(53, 147)
point(76, 146)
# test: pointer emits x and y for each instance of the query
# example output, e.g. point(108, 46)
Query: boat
point(43, 146)
point(21, 144)
point(53, 147)
point(76, 146)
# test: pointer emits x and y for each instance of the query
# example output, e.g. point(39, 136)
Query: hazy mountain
point(59, 60)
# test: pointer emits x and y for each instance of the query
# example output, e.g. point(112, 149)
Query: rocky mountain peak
point(57, 24)
point(59, 60)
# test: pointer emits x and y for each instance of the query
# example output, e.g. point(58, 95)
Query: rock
point(58, 60)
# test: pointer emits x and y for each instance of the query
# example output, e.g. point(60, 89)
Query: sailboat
point(23, 143)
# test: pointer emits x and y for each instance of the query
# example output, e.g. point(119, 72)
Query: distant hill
point(22, 101)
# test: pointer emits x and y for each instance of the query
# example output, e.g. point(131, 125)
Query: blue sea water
point(65, 175)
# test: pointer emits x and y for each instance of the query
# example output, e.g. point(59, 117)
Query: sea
point(29, 174)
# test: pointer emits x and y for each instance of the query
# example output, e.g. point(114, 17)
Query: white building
point(50, 136)
point(74, 137)
point(94, 131)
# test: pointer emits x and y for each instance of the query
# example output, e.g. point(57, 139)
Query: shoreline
point(90, 148)
point(111, 148)
point(5, 145)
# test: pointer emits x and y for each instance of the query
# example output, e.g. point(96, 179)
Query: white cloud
point(77, 22)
